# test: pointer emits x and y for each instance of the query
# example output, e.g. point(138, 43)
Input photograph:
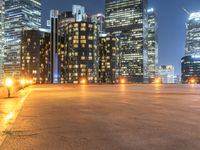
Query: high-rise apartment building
point(108, 59)
point(152, 45)
point(35, 55)
point(19, 15)
point(128, 20)
point(2, 11)
point(192, 34)
point(82, 53)
point(64, 19)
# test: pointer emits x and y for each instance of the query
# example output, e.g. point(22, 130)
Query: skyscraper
point(2, 11)
point(82, 53)
point(19, 15)
point(108, 59)
point(55, 75)
point(192, 34)
point(152, 45)
point(190, 67)
point(190, 62)
point(128, 20)
point(64, 19)
point(35, 55)
point(99, 19)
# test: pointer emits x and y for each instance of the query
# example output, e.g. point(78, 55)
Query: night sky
point(171, 23)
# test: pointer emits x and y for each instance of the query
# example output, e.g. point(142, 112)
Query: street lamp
point(83, 81)
point(157, 81)
point(23, 83)
point(9, 84)
point(122, 81)
point(192, 81)
point(30, 82)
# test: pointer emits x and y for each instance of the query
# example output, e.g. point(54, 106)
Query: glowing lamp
point(8, 83)
point(30, 81)
point(122, 81)
point(23, 82)
point(192, 81)
point(157, 81)
point(27, 81)
point(83, 81)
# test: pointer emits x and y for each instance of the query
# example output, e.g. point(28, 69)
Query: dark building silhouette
point(108, 59)
point(35, 55)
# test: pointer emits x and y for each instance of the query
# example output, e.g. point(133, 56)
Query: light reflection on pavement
point(103, 117)
point(9, 109)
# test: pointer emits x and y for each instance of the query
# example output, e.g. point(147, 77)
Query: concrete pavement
point(9, 109)
point(106, 117)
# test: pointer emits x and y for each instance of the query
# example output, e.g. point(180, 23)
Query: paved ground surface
point(105, 117)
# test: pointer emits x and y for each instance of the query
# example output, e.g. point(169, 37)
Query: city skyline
point(168, 53)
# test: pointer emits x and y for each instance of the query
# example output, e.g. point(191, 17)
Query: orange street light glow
point(192, 81)
point(30, 81)
point(122, 81)
point(9, 82)
point(23, 82)
point(83, 81)
point(27, 81)
point(157, 81)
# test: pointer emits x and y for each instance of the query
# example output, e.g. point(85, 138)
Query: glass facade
point(128, 20)
point(152, 45)
point(108, 59)
point(191, 62)
point(35, 55)
point(190, 68)
point(193, 34)
point(2, 11)
point(19, 15)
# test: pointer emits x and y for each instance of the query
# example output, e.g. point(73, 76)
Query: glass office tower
point(190, 66)
point(19, 15)
point(128, 20)
point(152, 45)
point(191, 61)
point(192, 34)
point(1, 38)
